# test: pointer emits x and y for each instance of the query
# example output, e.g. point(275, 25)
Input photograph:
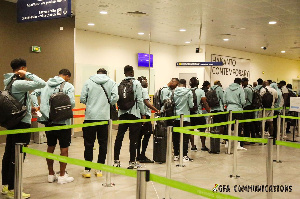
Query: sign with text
point(231, 69)
point(37, 10)
point(295, 104)
point(199, 63)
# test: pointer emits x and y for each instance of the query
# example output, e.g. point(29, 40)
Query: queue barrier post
point(278, 138)
point(269, 165)
point(181, 144)
point(298, 126)
point(235, 144)
point(229, 133)
point(283, 125)
point(143, 176)
point(19, 157)
point(168, 159)
point(263, 123)
point(109, 155)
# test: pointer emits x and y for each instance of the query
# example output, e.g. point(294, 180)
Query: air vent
point(227, 35)
point(103, 6)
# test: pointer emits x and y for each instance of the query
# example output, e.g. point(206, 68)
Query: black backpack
point(12, 111)
point(156, 99)
point(256, 99)
point(267, 99)
point(212, 98)
point(290, 94)
point(126, 95)
point(169, 106)
point(195, 107)
point(60, 106)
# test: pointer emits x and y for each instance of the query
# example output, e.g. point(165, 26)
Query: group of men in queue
point(99, 93)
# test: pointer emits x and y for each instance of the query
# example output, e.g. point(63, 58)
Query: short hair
point(175, 78)
point(182, 81)
point(102, 71)
point(238, 80)
point(260, 81)
point(17, 63)
point(282, 82)
point(64, 72)
point(289, 86)
point(245, 79)
point(141, 78)
point(217, 82)
point(205, 83)
point(270, 81)
point(128, 69)
point(194, 82)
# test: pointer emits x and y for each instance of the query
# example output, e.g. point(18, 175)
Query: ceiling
point(243, 22)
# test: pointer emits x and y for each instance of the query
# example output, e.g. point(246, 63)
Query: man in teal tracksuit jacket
point(63, 135)
point(234, 99)
point(20, 91)
point(183, 98)
point(97, 109)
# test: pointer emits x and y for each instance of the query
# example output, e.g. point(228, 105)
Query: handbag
point(113, 110)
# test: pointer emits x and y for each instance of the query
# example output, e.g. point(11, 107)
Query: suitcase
point(215, 142)
point(160, 142)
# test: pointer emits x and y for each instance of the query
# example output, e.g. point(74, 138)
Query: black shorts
point(219, 118)
point(195, 121)
point(63, 136)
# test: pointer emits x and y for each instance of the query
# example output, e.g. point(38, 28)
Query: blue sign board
point(37, 10)
point(199, 63)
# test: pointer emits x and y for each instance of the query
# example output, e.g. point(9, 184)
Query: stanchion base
point(234, 176)
point(228, 153)
point(277, 161)
point(179, 165)
point(108, 185)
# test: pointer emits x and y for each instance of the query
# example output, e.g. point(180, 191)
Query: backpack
point(169, 106)
point(126, 95)
point(195, 107)
point(267, 99)
point(290, 94)
point(12, 111)
point(256, 99)
point(156, 99)
point(60, 106)
point(212, 98)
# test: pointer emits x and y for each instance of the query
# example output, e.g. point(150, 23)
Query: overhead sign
point(233, 68)
point(37, 10)
point(199, 64)
point(295, 104)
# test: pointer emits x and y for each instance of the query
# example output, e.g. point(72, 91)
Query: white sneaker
point(176, 158)
point(187, 159)
point(52, 178)
point(64, 179)
point(241, 148)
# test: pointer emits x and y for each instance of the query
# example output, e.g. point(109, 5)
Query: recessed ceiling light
point(103, 12)
point(91, 24)
point(187, 42)
point(226, 39)
point(283, 51)
point(272, 22)
point(182, 30)
point(242, 28)
point(141, 33)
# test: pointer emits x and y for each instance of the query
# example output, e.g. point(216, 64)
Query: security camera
point(264, 48)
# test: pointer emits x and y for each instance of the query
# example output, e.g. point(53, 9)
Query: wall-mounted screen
point(143, 60)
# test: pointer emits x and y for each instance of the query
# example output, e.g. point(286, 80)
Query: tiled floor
point(206, 171)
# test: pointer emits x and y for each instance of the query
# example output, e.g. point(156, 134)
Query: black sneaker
point(145, 160)
point(194, 148)
point(204, 149)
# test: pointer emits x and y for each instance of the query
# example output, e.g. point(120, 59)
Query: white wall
point(94, 50)
point(274, 68)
